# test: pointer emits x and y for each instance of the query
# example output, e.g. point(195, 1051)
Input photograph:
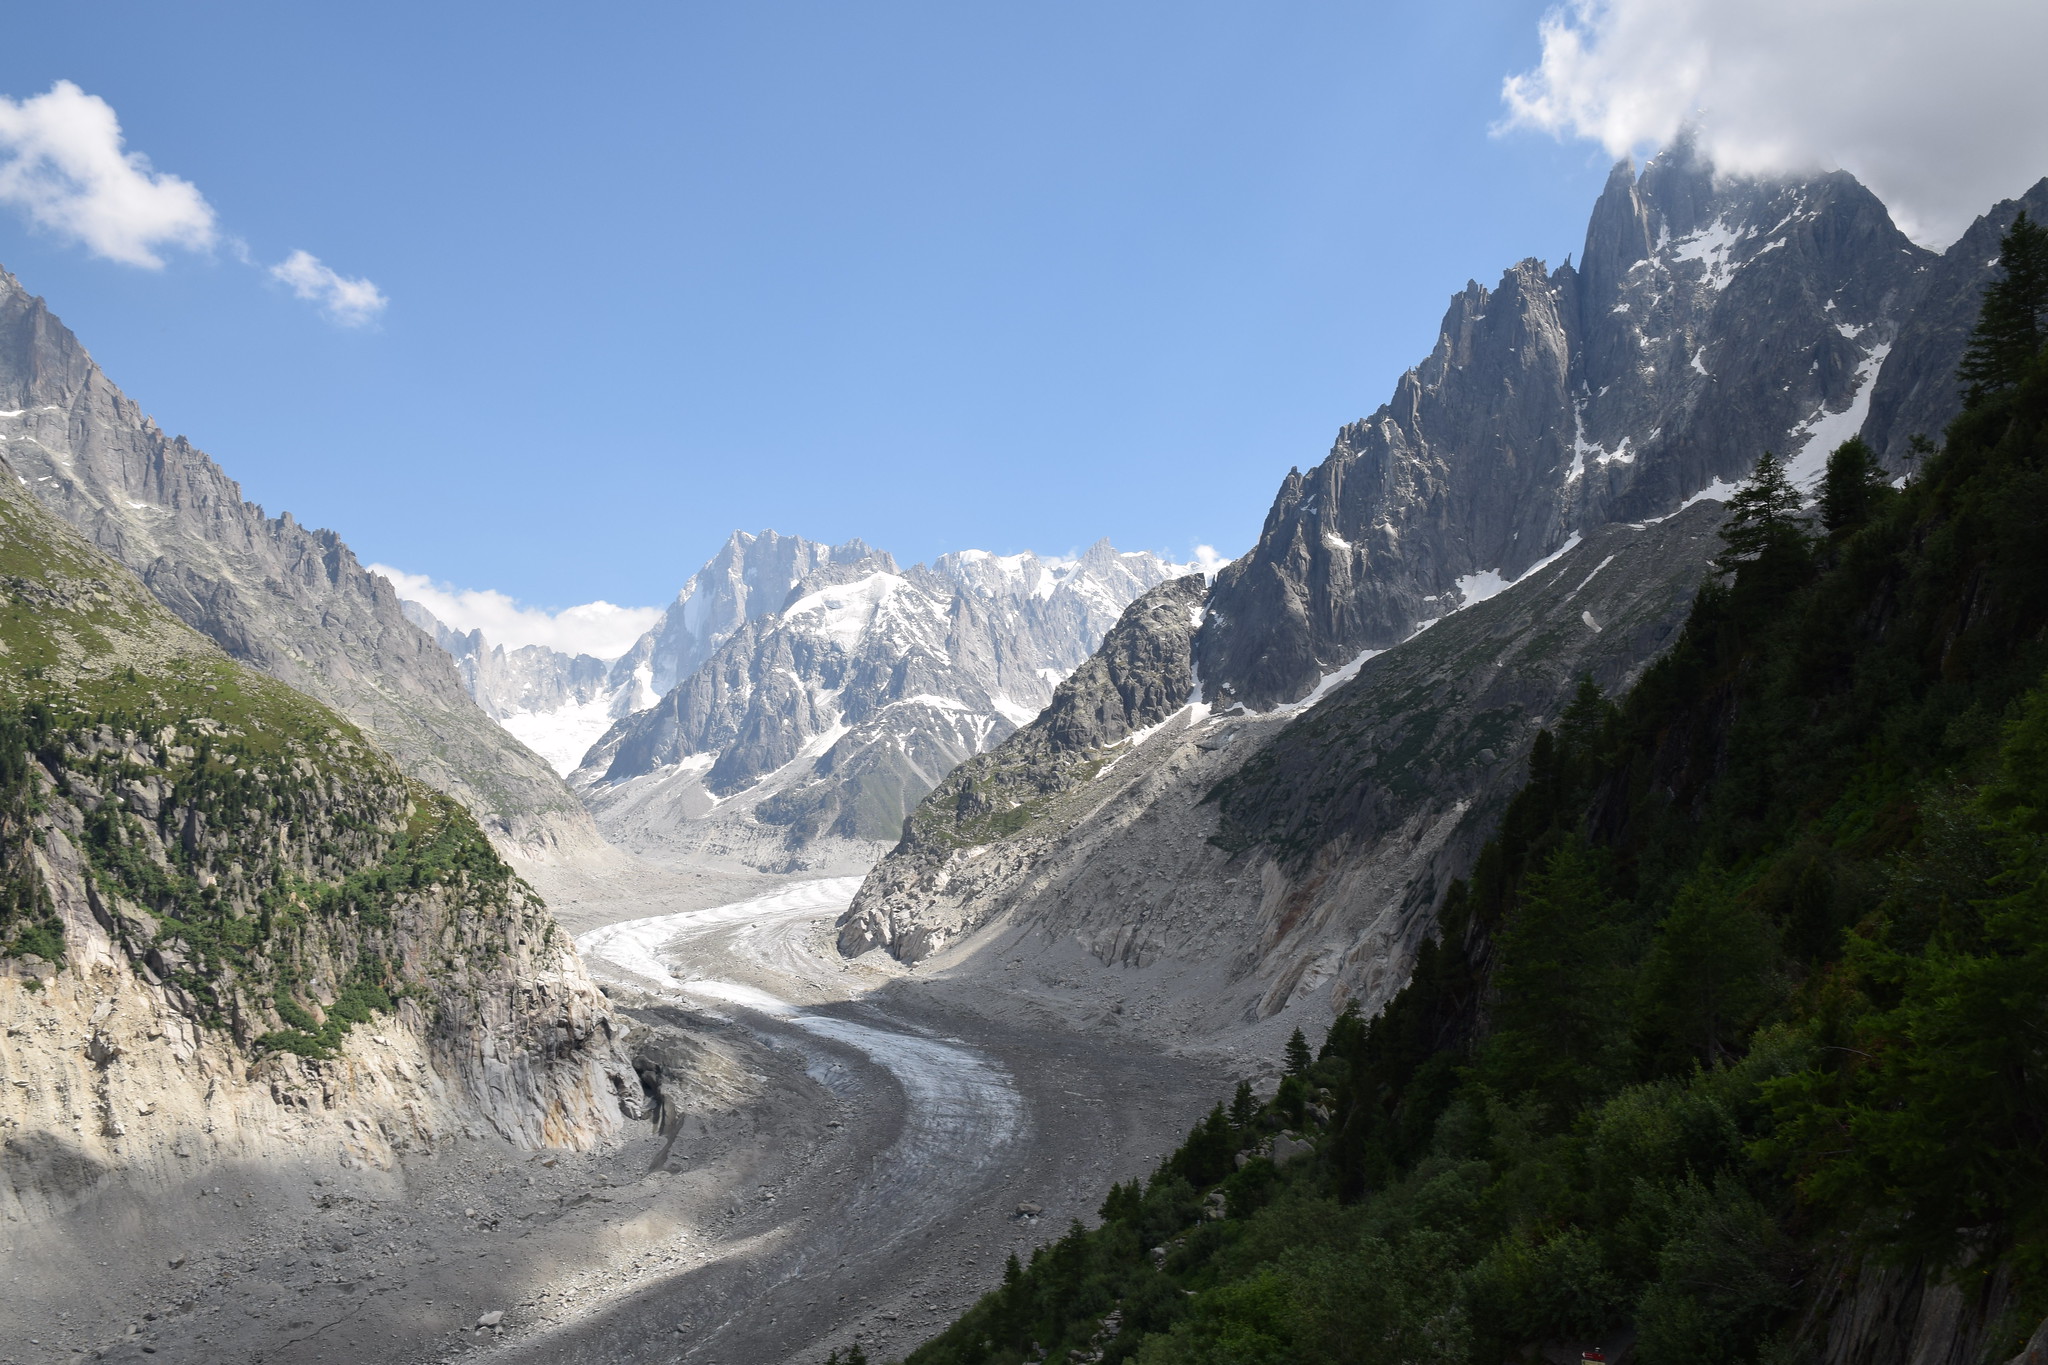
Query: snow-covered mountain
point(796, 692)
point(812, 730)
point(560, 704)
point(556, 704)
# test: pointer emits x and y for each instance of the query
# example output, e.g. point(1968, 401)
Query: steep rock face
point(1709, 320)
point(290, 601)
point(1223, 867)
point(830, 718)
point(1917, 393)
point(233, 929)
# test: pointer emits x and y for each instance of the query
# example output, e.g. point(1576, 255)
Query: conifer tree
point(1561, 994)
point(1298, 1056)
point(1244, 1106)
point(1585, 718)
point(2013, 325)
point(1763, 517)
point(1707, 974)
point(1851, 487)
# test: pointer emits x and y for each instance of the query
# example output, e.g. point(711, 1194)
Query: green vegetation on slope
point(242, 843)
point(1751, 983)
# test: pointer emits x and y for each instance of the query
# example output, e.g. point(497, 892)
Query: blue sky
point(936, 275)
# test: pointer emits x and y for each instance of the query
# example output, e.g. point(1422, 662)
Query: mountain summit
point(820, 714)
point(1710, 318)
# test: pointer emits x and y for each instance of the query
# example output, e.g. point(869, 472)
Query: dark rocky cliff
point(1708, 320)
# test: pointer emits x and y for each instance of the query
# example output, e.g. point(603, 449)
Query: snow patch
point(563, 736)
point(1711, 246)
point(847, 610)
point(1825, 430)
point(1720, 490)
point(1478, 587)
point(1589, 578)
point(1332, 681)
point(1015, 712)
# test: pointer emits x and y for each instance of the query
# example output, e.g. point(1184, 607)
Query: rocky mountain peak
point(1711, 318)
point(840, 574)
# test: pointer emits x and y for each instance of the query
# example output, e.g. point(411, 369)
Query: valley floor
point(854, 1148)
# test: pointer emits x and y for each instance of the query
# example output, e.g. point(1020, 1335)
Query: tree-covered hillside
point(1734, 1047)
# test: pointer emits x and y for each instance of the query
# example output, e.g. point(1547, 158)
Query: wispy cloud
point(65, 167)
point(596, 628)
point(350, 302)
point(1935, 107)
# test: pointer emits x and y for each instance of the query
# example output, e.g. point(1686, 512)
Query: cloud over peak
point(595, 628)
point(1934, 107)
point(65, 167)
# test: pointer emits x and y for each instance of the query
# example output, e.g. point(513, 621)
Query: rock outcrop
point(231, 928)
point(1917, 392)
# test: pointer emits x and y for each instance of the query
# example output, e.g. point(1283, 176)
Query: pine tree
point(1763, 516)
point(2013, 325)
point(1585, 719)
point(1244, 1106)
point(1850, 489)
point(1707, 976)
point(1561, 996)
point(1298, 1057)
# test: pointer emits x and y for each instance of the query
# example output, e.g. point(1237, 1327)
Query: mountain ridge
point(813, 728)
point(291, 601)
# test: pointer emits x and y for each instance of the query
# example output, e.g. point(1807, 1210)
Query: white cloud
point(596, 628)
point(1936, 107)
point(1209, 561)
point(352, 303)
point(65, 168)
point(63, 165)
